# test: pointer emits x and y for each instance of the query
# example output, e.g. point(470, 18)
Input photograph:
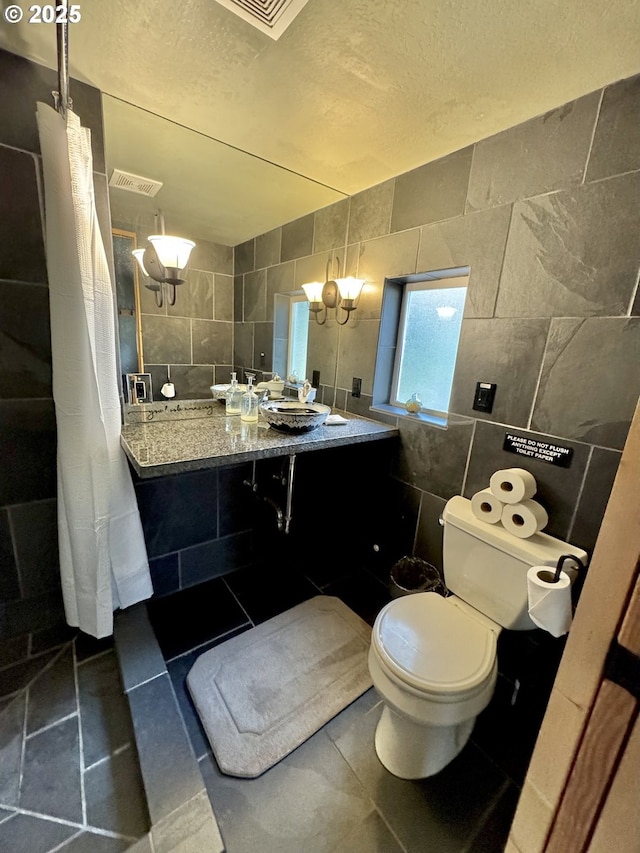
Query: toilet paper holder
point(554, 576)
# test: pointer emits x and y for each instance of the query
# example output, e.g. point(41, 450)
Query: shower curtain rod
point(61, 98)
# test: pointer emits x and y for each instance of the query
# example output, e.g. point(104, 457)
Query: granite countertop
point(173, 438)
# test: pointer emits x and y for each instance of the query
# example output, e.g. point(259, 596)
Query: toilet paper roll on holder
point(550, 576)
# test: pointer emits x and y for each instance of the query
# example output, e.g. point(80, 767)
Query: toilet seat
point(434, 647)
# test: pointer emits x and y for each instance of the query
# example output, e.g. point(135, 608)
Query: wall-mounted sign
point(544, 451)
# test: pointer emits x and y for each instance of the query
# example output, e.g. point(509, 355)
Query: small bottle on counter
point(249, 404)
point(233, 397)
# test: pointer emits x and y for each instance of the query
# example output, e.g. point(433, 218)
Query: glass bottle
point(249, 404)
point(413, 404)
point(233, 397)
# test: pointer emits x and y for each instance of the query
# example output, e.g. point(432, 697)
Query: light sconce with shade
point(333, 293)
point(164, 261)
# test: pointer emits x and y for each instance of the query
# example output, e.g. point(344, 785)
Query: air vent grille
point(269, 16)
point(134, 183)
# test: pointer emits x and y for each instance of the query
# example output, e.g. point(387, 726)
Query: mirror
point(214, 194)
point(211, 191)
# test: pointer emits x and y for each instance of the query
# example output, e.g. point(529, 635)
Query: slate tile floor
point(69, 775)
point(331, 794)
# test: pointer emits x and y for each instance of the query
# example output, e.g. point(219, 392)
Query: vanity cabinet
point(212, 502)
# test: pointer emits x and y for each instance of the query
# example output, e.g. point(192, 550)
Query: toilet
point(433, 659)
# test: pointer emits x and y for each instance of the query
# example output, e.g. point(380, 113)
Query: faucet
point(304, 391)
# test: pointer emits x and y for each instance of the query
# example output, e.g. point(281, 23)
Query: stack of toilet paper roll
point(509, 501)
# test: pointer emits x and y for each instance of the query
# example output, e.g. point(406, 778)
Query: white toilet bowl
point(433, 662)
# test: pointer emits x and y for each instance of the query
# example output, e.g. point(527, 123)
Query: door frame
point(566, 783)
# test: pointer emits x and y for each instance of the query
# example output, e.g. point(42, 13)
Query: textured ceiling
point(351, 94)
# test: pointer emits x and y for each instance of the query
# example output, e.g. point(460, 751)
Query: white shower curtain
point(103, 559)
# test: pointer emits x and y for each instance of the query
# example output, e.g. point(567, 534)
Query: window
point(419, 333)
point(290, 334)
point(298, 336)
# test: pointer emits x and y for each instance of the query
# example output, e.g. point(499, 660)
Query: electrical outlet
point(315, 378)
point(356, 385)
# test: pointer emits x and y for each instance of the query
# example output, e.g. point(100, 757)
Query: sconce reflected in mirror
point(333, 293)
point(165, 261)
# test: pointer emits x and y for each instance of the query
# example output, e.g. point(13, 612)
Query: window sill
point(422, 417)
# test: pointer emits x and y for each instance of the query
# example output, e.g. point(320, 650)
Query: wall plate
point(484, 396)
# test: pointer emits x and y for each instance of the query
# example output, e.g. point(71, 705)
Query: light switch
point(484, 396)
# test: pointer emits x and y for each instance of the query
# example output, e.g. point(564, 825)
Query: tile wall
point(31, 612)
point(193, 339)
point(196, 525)
point(547, 216)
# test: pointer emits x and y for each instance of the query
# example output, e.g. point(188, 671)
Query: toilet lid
point(432, 645)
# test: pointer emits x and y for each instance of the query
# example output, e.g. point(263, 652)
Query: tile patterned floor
point(331, 794)
point(69, 776)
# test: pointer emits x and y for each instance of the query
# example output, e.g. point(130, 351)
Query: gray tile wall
point(191, 341)
point(547, 216)
point(197, 526)
point(31, 611)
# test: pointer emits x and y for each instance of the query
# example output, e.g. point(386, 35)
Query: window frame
point(384, 382)
point(295, 297)
point(282, 330)
point(412, 287)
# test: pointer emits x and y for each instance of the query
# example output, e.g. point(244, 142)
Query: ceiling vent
point(269, 16)
point(134, 183)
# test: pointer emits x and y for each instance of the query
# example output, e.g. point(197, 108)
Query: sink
point(294, 416)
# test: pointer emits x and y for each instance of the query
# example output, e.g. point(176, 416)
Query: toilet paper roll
point(524, 519)
point(549, 603)
point(486, 506)
point(513, 485)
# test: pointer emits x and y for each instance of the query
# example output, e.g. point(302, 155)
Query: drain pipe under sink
point(283, 519)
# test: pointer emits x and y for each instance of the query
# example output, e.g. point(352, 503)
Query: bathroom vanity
point(209, 487)
point(171, 438)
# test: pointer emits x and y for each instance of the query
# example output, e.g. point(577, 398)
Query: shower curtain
point(103, 559)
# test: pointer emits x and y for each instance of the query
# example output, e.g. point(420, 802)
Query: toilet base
point(413, 751)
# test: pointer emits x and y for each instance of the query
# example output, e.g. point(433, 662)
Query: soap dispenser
point(249, 404)
point(233, 397)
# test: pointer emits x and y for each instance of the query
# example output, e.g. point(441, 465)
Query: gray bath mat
point(261, 694)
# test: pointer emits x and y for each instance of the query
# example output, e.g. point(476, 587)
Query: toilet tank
point(487, 567)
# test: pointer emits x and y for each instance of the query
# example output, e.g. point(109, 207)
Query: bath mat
point(263, 693)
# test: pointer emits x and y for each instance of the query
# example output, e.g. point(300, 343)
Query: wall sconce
point(165, 260)
point(333, 293)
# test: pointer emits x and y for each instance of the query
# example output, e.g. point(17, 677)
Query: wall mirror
point(128, 302)
point(211, 192)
